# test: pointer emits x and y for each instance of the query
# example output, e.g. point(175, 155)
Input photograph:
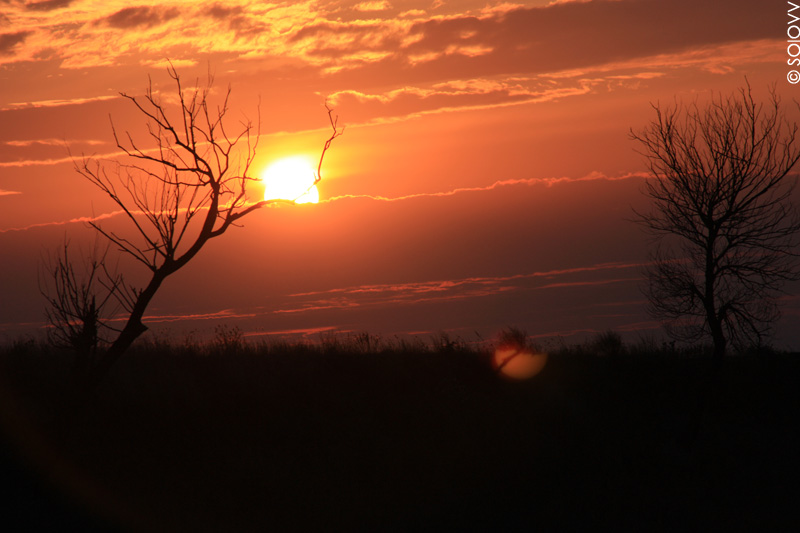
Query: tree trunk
point(717, 337)
point(132, 330)
point(712, 317)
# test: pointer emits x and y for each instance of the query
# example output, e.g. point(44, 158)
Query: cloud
point(503, 7)
point(60, 160)
point(709, 58)
point(28, 143)
point(225, 313)
point(394, 294)
point(374, 5)
point(305, 308)
point(10, 40)
point(36, 162)
point(412, 13)
point(302, 332)
point(363, 300)
point(132, 17)
point(56, 103)
point(224, 12)
point(409, 102)
point(47, 5)
point(566, 284)
point(48, 142)
point(593, 176)
point(75, 220)
point(554, 2)
point(165, 63)
point(8, 193)
point(337, 45)
point(506, 38)
point(237, 19)
point(578, 35)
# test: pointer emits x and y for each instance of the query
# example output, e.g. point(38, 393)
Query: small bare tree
point(82, 297)
point(186, 185)
point(723, 216)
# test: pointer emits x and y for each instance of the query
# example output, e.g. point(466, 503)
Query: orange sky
point(484, 178)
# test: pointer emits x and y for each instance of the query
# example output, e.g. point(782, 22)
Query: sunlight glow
point(291, 178)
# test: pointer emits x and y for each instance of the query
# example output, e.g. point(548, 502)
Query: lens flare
point(516, 362)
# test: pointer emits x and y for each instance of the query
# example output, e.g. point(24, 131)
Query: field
point(360, 435)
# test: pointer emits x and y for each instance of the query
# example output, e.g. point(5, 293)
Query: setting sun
point(291, 178)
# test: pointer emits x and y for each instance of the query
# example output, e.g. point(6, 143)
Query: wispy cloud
point(217, 315)
point(76, 220)
point(445, 285)
point(299, 332)
point(36, 162)
point(162, 64)
point(51, 142)
point(394, 294)
point(567, 284)
point(594, 176)
point(718, 58)
point(133, 17)
point(409, 101)
point(56, 103)
point(47, 5)
point(372, 5)
point(43, 142)
point(8, 193)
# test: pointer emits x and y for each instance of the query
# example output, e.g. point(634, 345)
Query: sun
point(291, 178)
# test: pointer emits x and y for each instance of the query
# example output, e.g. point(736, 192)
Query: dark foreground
point(313, 441)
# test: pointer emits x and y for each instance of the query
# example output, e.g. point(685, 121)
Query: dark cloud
point(237, 20)
point(47, 5)
point(357, 38)
point(132, 17)
point(323, 29)
point(222, 12)
point(578, 34)
point(547, 39)
point(9, 40)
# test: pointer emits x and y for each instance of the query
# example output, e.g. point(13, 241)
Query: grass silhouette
point(363, 433)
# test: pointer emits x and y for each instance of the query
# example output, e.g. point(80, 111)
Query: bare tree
point(186, 184)
point(722, 215)
point(82, 297)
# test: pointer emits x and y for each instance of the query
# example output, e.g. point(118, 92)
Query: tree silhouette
point(80, 300)
point(722, 215)
point(184, 186)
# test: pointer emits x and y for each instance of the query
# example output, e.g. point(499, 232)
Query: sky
point(486, 177)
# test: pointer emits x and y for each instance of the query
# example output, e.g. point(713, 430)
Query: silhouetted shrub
point(227, 340)
point(513, 336)
point(608, 344)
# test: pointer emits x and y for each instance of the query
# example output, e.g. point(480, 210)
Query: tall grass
point(361, 432)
